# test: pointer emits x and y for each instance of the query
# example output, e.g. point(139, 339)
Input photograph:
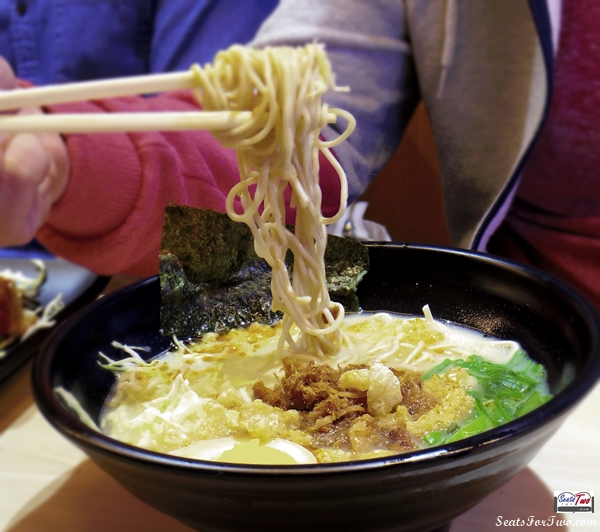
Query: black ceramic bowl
point(420, 490)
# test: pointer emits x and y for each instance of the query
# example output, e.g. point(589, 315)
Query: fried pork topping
point(351, 408)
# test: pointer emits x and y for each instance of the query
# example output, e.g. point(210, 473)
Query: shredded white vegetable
point(72, 402)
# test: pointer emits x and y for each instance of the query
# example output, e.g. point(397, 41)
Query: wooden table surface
point(47, 484)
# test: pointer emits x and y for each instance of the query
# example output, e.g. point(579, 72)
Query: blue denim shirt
point(53, 41)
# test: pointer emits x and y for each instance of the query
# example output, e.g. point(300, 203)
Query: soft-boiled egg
point(230, 450)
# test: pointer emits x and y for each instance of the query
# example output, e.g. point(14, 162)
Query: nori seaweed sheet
point(211, 280)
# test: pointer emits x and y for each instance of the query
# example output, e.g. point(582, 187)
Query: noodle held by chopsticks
point(277, 148)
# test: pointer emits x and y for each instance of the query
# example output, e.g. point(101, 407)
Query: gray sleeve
point(368, 47)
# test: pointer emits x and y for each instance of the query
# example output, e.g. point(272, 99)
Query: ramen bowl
point(419, 490)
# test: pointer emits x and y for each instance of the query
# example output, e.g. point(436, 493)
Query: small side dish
point(21, 314)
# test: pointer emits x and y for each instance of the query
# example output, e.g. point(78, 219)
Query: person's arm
point(369, 51)
point(110, 216)
point(34, 171)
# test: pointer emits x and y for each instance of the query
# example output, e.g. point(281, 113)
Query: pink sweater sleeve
point(110, 217)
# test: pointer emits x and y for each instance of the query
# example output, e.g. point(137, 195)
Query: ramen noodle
point(277, 149)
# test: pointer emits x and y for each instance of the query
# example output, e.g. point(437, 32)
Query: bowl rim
point(67, 423)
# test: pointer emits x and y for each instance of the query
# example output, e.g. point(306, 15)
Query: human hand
point(34, 171)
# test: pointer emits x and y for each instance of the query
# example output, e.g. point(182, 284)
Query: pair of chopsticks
point(112, 122)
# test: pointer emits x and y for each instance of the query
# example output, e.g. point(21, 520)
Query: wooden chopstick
point(94, 90)
point(114, 122)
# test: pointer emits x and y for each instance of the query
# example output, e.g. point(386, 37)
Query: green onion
point(438, 369)
point(505, 392)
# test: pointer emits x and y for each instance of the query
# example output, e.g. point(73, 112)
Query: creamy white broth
point(197, 400)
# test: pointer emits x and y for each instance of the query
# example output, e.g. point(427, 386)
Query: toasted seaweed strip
point(211, 280)
point(346, 263)
point(190, 309)
point(209, 245)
